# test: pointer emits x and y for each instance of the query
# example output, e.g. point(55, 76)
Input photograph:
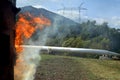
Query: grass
point(71, 68)
point(106, 69)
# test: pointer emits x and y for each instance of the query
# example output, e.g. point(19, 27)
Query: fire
point(26, 26)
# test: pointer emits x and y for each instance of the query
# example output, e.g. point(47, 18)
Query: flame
point(26, 26)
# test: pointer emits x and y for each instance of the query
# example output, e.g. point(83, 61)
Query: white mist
point(26, 64)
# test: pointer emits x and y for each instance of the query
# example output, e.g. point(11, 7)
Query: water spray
point(69, 49)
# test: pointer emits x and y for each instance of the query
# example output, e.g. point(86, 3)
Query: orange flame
point(26, 26)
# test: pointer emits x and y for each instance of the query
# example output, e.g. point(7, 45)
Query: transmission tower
point(81, 8)
point(62, 9)
point(73, 8)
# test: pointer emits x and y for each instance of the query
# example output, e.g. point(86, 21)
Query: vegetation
point(88, 35)
point(72, 68)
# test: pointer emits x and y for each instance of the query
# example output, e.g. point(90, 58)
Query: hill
point(48, 14)
point(60, 25)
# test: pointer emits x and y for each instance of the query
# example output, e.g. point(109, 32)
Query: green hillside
point(71, 68)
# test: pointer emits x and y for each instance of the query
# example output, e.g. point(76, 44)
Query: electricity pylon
point(73, 8)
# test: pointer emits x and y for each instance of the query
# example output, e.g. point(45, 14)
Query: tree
point(73, 42)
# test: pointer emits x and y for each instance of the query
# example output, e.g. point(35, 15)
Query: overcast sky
point(101, 10)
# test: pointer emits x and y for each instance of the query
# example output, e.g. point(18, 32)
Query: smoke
point(61, 27)
point(29, 58)
point(26, 64)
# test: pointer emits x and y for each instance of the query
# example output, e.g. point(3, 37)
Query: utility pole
point(8, 12)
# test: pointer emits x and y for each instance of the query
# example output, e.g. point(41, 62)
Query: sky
point(99, 10)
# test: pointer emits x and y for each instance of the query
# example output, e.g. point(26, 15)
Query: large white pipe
point(68, 49)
